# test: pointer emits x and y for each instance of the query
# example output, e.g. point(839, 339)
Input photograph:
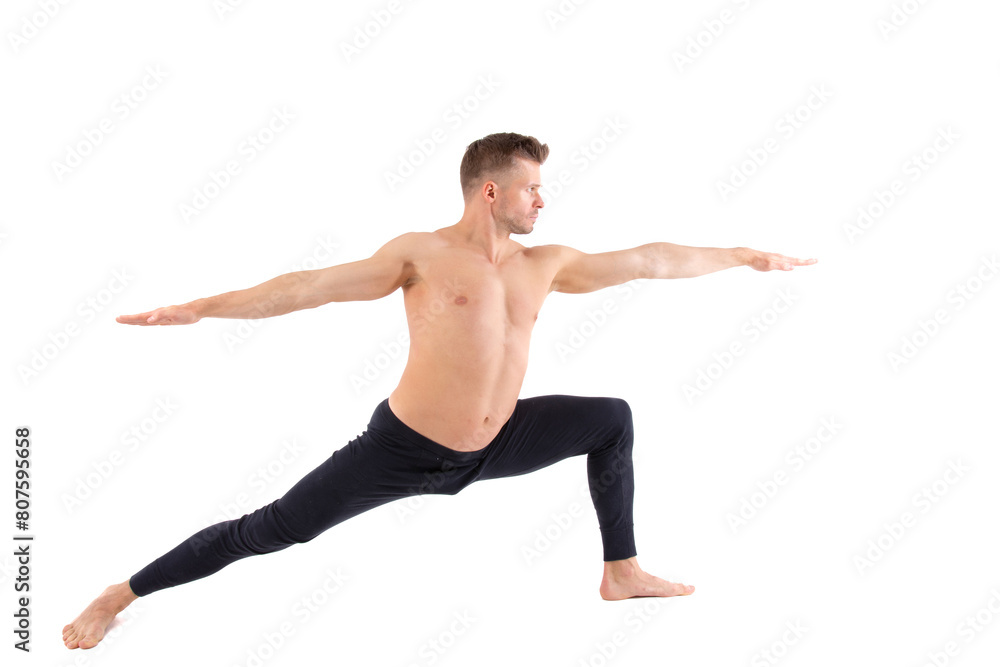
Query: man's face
point(518, 204)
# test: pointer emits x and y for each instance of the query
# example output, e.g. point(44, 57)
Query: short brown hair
point(494, 157)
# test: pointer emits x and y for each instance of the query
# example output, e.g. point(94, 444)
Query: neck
point(482, 231)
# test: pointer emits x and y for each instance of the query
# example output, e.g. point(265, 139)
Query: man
point(472, 296)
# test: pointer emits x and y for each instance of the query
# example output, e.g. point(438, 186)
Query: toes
point(677, 589)
point(684, 589)
point(75, 638)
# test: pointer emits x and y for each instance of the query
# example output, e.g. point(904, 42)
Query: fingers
point(140, 319)
point(784, 263)
point(792, 261)
point(160, 317)
point(149, 318)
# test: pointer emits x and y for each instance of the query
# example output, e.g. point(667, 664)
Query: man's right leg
point(371, 470)
point(343, 486)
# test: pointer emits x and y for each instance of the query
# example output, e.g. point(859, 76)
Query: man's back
point(470, 322)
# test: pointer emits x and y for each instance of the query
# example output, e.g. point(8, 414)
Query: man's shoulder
point(550, 251)
point(547, 248)
point(414, 241)
point(416, 237)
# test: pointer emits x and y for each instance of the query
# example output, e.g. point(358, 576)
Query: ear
point(490, 190)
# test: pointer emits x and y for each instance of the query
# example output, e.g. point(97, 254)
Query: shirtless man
point(472, 296)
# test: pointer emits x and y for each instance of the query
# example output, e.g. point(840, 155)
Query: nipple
point(460, 300)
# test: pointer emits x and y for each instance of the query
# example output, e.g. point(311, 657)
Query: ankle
point(622, 568)
point(120, 595)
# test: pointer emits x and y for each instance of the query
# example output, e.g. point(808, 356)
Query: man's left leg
point(545, 429)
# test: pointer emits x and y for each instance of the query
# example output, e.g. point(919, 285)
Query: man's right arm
point(364, 280)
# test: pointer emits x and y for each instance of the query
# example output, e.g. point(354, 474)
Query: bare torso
point(470, 324)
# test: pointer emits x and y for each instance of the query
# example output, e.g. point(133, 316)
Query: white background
point(320, 183)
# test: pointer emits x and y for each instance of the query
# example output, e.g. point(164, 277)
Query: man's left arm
point(577, 272)
point(670, 260)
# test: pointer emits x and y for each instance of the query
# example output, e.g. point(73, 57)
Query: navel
point(460, 300)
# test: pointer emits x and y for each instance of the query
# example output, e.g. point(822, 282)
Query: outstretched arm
point(679, 261)
point(578, 272)
point(364, 280)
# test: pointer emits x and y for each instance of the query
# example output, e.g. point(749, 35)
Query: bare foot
point(87, 630)
point(625, 579)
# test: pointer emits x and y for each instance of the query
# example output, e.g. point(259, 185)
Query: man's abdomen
point(460, 408)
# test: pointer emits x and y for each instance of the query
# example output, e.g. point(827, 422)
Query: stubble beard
point(513, 223)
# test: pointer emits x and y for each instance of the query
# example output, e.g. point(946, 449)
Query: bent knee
point(620, 413)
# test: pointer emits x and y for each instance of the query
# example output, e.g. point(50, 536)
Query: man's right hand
point(162, 316)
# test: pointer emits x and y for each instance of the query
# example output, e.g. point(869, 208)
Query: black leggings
point(390, 461)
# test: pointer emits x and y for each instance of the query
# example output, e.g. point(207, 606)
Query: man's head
point(501, 172)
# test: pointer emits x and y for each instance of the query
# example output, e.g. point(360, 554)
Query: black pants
point(390, 460)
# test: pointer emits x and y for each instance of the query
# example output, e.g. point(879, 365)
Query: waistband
point(396, 426)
